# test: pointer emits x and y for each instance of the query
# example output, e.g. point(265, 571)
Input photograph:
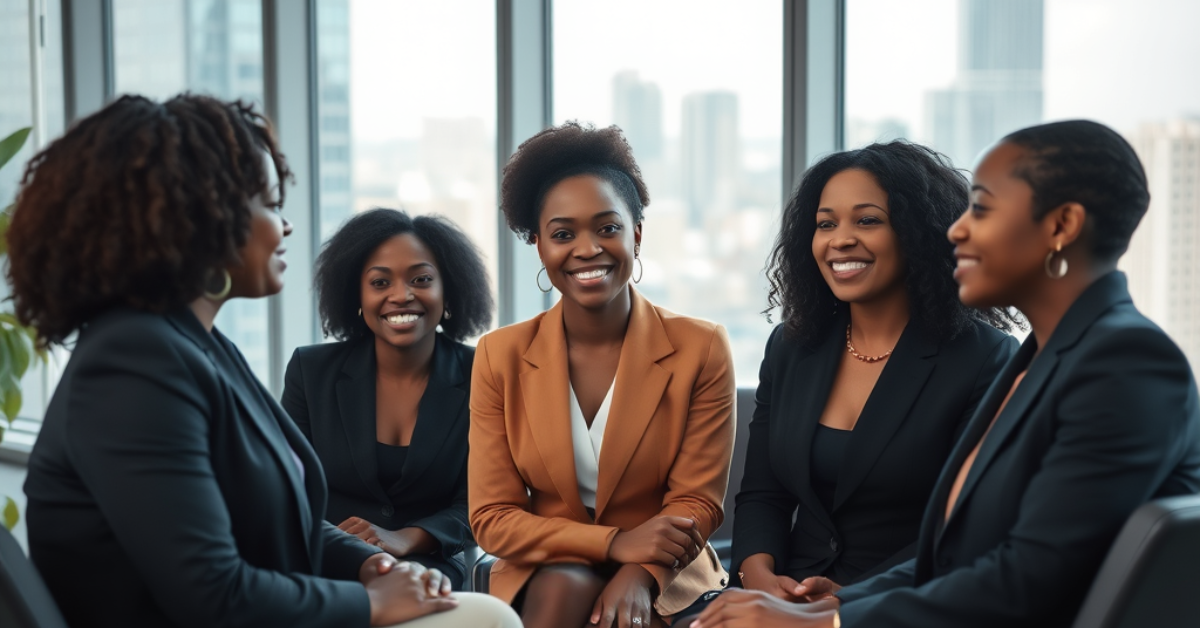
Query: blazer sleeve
point(499, 499)
point(144, 418)
point(450, 526)
point(294, 399)
point(342, 553)
point(764, 506)
point(1119, 431)
point(699, 477)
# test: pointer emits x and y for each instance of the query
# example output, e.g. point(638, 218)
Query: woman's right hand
point(817, 588)
point(758, 574)
point(406, 592)
point(664, 540)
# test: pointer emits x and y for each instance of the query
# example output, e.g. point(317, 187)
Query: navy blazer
point(924, 397)
point(164, 490)
point(1105, 420)
point(329, 391)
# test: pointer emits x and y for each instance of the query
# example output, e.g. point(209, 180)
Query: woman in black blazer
point(1095, 415)
point(387, 408)
point(849, 446)
point(166, 487)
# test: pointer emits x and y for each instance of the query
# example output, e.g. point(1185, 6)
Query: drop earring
point(1061, 270)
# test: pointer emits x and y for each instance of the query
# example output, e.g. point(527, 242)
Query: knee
point(568, 581)
point(485, 611)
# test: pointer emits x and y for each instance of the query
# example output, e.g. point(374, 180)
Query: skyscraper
point(710, 154)
point(998, 86)
point(637, 109)
point(333, 110)
point(1163, 261)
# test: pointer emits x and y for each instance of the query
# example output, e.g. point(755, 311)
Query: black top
point(829, 447)
point(924, 396)
point(391, 462)
point(166, 469)
point(329, 391)
point(1105, 420)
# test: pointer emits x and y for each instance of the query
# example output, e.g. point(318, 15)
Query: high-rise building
point(710, 154)
point(638, 110)
point(998, 86)
point(1163, 262)
point(333, 111)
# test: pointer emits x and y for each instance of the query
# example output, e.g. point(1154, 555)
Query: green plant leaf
point(4, 218)
point(11, 514)
point(18, 350)
point(12, 144)
point(12, 399)
point(1, 432)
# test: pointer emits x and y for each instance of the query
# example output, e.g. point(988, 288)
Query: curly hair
point(134, 206)
point(925, 196)
point(338, 278)
point(561, 152)
point(1091, 164)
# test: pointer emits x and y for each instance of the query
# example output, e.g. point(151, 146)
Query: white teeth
point(592, 274)
point(401, 319)
point(841, 267)
point(967, 263)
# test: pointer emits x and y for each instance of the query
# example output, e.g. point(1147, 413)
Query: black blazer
point(329, 391)
point(1105, 420)
point(163, 490)
point(924, 397)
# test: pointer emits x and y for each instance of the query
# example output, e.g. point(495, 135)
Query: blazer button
point(833, 544)
point(387, 510)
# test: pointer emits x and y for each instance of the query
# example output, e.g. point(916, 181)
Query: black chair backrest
point(25, 602)
point(1151, 576)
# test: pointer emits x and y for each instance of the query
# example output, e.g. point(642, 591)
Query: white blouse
point(586, 442)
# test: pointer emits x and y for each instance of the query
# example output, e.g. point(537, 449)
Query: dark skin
point(397, 591)
point(402, 303)
point(1001, 255)
point(858, 254)
point(588, 240)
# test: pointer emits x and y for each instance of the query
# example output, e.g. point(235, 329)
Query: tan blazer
point(666, 448)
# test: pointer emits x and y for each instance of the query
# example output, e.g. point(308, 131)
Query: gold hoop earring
point(1061, 271)
point(538, 279)
point(224, 291)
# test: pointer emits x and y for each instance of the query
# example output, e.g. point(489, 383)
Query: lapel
point(887, 407)
point(806, 391)
point(356, 409)
point(438, 413)
point(638, 388)
point(1098, 298)
point(544, 389)
point(270, 426)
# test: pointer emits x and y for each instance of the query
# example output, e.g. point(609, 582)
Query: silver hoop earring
point(224, 291)
point(640, 268)
point(538, 279)
point(360, 311)
point(1061, 270)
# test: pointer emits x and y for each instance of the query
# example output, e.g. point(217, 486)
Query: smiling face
point(854, 244)
point(1000, 249)
point(402, 292)
point(586, 239)
point(261, 272)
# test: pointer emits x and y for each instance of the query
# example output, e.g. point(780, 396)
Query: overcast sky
point(1117, 61)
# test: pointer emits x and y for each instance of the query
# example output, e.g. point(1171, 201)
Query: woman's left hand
point(398, 543)
point(738, 608)
point(625, 601)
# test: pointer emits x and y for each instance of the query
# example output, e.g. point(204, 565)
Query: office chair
point(25, 602)
point(1151, 576)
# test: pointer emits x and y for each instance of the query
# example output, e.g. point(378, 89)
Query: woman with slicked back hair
point(1094, 415)
point(166, 487)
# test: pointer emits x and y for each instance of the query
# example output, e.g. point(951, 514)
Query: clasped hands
point(399, 590)
point(627, 599)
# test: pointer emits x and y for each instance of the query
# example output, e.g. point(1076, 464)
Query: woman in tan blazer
point(601, 430)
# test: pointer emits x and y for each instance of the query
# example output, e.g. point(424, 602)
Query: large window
point(407, 112)
point(960, 74)
point(697, 88)
point(164, 47)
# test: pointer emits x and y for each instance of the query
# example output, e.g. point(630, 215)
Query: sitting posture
point(601, 430)
point(387, 408)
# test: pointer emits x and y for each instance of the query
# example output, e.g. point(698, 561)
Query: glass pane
point(163, 47)
point(407, 115)
point(970, 71)
point(697, 88)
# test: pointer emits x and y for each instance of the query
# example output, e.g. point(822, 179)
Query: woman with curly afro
point(602, 429)
point(386, 409)
point(872, 376)
point(166, 487)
